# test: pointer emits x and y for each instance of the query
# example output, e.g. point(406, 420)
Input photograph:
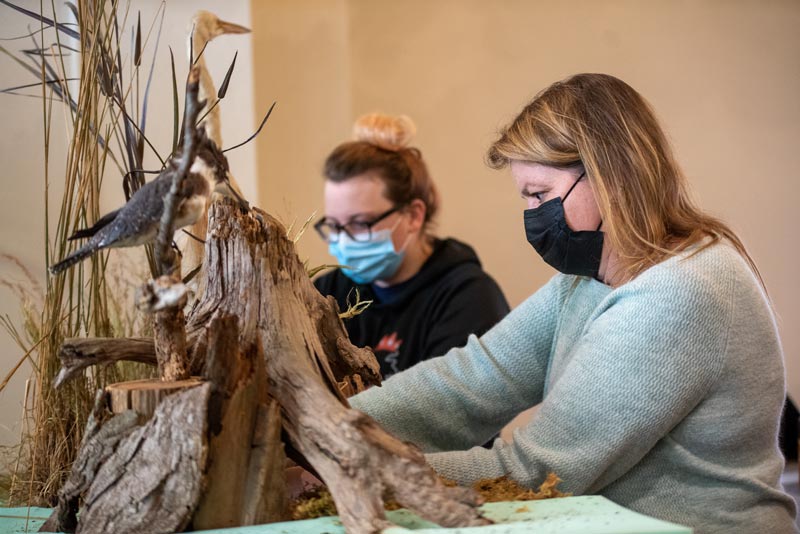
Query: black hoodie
point(449, 298)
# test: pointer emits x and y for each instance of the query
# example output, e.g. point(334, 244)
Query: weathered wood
point(170, 325)
point(234, 448)
point(143, 396)
point(79, 353)
point(154, 480)
point(170, 343)
point(266, 494)
point(276, 357)
point(163, 293)
point(254, 272)
point(166, 259)
point(100, 441)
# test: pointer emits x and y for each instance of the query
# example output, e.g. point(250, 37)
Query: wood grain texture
point(153, 481)
point(254, 272)
point(275, 361)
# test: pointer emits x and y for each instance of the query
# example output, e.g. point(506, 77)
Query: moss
point(318, 502)
point(313, 503)
point(505, 489)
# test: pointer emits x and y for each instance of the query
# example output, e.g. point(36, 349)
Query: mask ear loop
point(570, 191)
point(573, 186)
point(408, 239)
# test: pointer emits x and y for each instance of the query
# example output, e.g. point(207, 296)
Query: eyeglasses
point(356, 230)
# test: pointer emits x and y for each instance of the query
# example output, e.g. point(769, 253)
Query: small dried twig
point(166, 258)
point(169, 297)
point(355, 308)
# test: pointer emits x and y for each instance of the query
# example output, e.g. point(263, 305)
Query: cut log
point(143, 396)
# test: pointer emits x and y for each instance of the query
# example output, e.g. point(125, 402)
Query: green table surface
point(570, 515)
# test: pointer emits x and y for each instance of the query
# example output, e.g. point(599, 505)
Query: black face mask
point(564, 249)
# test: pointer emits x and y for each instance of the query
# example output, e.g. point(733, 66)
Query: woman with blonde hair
point(653, 354)
point(427, 294)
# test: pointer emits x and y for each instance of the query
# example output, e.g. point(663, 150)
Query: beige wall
point(724, 77)
point(302, 63)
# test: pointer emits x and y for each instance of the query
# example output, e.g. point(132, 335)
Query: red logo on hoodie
point(389, 343)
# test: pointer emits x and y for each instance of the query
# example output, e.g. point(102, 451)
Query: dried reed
point(79, 303)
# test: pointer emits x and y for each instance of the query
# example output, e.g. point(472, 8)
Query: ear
point(417, 211)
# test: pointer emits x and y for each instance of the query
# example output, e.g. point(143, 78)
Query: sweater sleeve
point(471, 306)
point(465, 397)
point(645, 360)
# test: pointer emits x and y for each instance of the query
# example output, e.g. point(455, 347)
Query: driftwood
point(244, 479)
point(77, 354)
point(254, 273)
point(100, 441)
point(154, 479)
point(170, 332)
point(137, 478)
point(274, 356)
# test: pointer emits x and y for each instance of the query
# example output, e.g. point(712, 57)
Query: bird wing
point(138, 219)
point(101, 222)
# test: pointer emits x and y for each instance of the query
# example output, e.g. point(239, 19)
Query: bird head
point(217, 171)
point(207, 26)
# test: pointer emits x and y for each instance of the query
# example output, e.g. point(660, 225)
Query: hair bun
point(385, 131)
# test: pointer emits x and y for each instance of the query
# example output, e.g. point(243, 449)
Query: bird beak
point(230, 27)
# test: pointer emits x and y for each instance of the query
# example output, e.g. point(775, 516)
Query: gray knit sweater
point(663, 395)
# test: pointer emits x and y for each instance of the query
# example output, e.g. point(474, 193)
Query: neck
point(609, 272)
point(416, 254)
point(207, 91)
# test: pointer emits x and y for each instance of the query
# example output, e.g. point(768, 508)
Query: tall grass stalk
point(80, 302)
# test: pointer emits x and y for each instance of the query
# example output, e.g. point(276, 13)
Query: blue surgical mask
point(371, 260)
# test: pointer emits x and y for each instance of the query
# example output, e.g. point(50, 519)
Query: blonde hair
point(385, 131)
point(601, 123)
point(382, 147)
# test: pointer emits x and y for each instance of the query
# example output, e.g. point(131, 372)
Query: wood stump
point(273, 360)
point(143, 396)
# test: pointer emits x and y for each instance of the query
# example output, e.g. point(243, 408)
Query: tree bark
point(100, 441)
point(136, 477)
point(254, 273)
point(274, 356)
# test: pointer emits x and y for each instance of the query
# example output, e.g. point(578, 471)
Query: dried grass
point(89, 300)
point(355, 308)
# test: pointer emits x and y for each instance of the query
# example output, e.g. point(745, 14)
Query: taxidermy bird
point(137, 222)
point(205, 27)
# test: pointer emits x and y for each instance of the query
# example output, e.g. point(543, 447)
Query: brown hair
point(381, 148)
point(602, 123)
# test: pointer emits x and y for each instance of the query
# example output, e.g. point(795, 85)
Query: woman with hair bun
point(428, 294)
point(653, 354)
